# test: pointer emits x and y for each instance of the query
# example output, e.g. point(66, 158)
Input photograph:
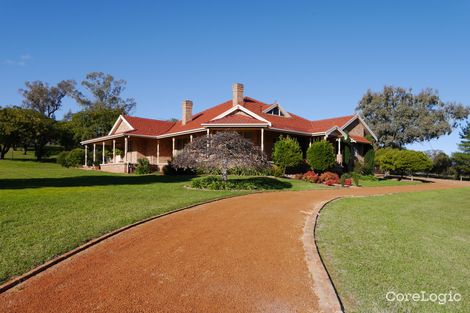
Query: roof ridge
point(333, 118)
point(146, 118)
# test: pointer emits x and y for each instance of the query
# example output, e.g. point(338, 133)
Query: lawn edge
point(41, 268)
point(328, 298)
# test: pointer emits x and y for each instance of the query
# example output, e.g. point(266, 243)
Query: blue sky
point(316, 58)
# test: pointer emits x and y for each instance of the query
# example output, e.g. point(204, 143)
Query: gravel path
point(253, 253)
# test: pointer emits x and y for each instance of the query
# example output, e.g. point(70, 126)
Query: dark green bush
point(356, 177)
point(62, 158)
point(74, 158)
point(287, 153)
point(169, 169)
point(347, 159)
point(143, 166)
point(321, 156)
point(369, 163)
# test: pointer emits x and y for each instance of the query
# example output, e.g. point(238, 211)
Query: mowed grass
point(404, 243)
point(47, 210)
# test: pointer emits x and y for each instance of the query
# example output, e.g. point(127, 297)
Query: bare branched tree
point(46, 99)
point(221, 151)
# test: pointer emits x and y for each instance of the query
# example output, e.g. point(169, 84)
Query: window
point(275, 111)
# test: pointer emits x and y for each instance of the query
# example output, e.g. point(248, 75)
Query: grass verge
point(404, 243)
point(47, 210)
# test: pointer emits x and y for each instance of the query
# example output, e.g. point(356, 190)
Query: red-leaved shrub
point(311, 177)
point(329, 178)
point(348, 181)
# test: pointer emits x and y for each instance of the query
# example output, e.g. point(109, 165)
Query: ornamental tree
point(287, 153)
point(321, 156)
point(222, 151)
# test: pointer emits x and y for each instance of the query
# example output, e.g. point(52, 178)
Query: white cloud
point(22, 60)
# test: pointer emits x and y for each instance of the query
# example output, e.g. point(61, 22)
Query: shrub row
point(255, 183)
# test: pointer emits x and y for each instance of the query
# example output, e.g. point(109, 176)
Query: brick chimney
point(237, 90)
point(187, 111)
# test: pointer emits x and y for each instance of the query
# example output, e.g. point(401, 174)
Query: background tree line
point(400, 117)
point(34, 125)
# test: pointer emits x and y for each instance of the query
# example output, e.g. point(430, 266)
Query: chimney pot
point(187, 111)
point(237, 90)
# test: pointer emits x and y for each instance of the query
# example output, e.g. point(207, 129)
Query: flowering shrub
point(329, 178)
point(311, 177)
point(348, 182)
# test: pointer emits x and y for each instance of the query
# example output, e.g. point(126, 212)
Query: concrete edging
point(41, 268)
point(328, 298)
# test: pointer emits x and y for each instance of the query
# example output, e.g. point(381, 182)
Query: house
point(159, 141)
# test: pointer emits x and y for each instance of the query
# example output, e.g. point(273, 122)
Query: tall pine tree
point(461, 160)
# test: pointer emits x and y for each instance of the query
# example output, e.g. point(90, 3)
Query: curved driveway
point(244, 254)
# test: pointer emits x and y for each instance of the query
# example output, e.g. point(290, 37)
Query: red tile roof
point(360, 139)
point(144, 126)
point(147, 126)
point(236, 119)
point(326, 124)
point(201, 118)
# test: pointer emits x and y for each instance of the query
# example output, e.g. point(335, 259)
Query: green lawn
point(46, 210)
point(404, 243)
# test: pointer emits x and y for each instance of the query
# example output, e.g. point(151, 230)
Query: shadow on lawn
point(86, 181)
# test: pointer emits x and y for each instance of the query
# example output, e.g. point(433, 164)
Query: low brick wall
point(114, 167)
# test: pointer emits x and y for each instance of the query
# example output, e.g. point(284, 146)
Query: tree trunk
point(3, 151)
point(25, 149)
point(224, 174)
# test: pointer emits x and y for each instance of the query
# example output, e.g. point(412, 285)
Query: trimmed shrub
point(369, 162)
point(143, 167)
point(311, 177)
point(75, 158)
point(62, 158)
point(329, 178)
point(278, 171)
point(287, 153)
point(321, 156)
point(402, 161)
point(255, 183)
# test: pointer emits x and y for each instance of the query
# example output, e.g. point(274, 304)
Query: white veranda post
point(173, 146)
point(114, 150)
point(262, 139)
point(339, 157)
point(104, 147)
point(125, 149)
point(86, 155)
point(94, 153)
point(158, 151)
